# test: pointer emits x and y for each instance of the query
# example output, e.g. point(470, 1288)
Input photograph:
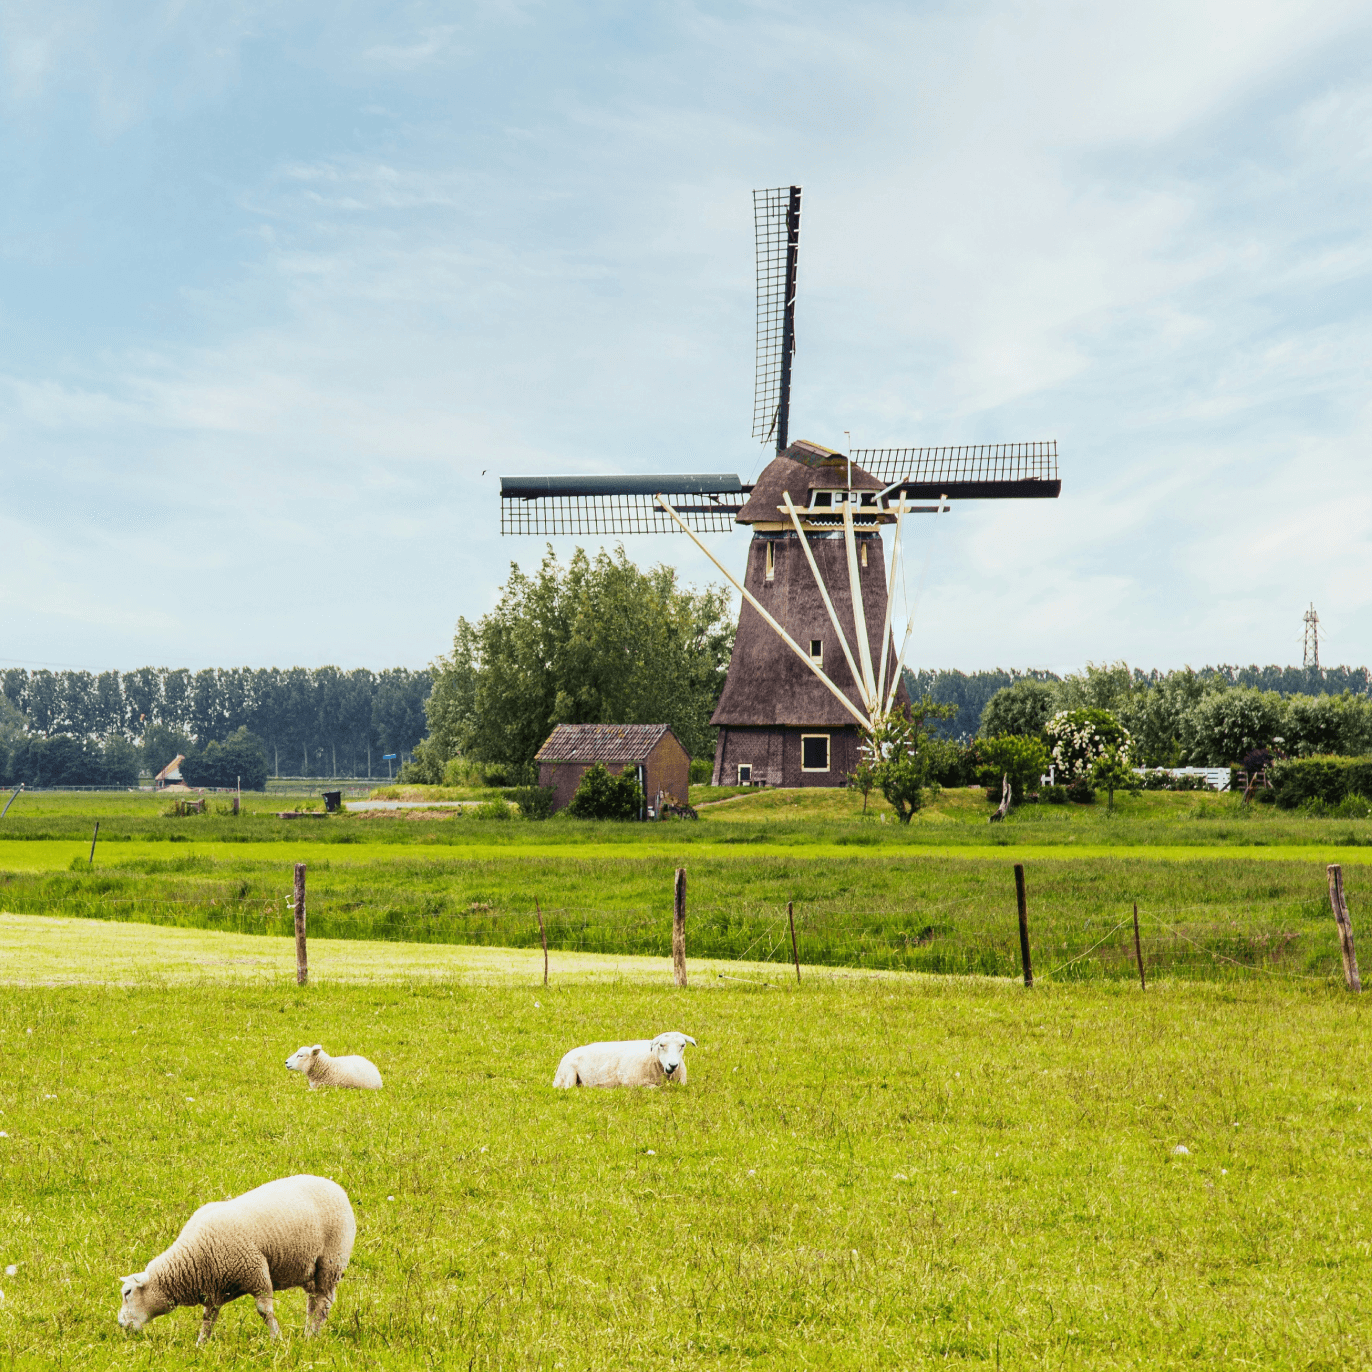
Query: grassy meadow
point(864, 1171)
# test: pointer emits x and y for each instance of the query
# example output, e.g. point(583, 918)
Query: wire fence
point(1284, 939)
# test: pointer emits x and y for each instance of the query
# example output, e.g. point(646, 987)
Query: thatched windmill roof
point(802, 468)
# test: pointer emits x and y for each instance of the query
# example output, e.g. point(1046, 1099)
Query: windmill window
point(869, 498)
point(745, 773)
point(814, 752)
point(822, 500)
point(817, 651)
point(771, 560)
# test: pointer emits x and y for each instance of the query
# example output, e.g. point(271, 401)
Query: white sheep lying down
point(633, 1062)
point(297, 1231)
point(322, 1070)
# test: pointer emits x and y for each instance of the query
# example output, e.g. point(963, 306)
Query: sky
point(285, 289)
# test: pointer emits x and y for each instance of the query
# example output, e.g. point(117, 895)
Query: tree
point(1023, 759)
point(1112, 771)
point(594, 641)
point(904, 754)
point(223, 764)
point(863, 777)
point(1023, 708)
point(602, 795)
point(1078, 737)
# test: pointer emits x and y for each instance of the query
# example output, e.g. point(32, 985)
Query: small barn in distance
point(653, 751)
point(170, 775)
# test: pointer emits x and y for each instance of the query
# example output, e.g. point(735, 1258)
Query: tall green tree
point(595, 641)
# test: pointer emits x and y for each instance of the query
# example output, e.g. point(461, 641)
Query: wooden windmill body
point(815, 660)
point(779, 725)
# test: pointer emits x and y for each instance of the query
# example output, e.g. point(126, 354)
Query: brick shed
point(652, 750)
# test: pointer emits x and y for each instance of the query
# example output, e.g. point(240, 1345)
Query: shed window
point(745, 773)
point(817, 651)
point(814, 752)
point(771, 560)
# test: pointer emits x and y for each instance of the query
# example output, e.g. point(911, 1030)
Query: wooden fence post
point(302, 968)
point(795, 952)
point(1023, 903)
point(679, 926)
point(1138, 948)
point(90, 861)
point(1350, 958)
point(542, 933)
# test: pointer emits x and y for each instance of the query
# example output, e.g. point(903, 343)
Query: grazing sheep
point(322, 1070)
point(297, 1231)
point(635, 1062)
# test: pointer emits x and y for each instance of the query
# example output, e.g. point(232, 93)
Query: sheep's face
point(303, 1059)
point(669, 1049)
point(141, 1301)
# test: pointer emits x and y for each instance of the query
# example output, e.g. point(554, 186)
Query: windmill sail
point(776, 224)
point(978, 471)
point(707, 501)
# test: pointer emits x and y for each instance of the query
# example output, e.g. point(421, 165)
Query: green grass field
point(875, 1168)
point(878, 1172)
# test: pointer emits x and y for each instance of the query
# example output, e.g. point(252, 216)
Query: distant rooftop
point(601, 742)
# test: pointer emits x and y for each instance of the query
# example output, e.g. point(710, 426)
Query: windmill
point(815, 660)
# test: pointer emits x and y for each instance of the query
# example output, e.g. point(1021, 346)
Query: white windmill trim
point(869, 700)
point(859, 613)
point(752, 600)
point(890, 603)
point(943, 508)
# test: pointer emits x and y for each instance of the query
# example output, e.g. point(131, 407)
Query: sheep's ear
point(317, 1049)
point(689, 1040)
point(137, 1278)
point(656, 1043)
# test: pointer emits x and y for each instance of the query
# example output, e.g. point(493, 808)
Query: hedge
point(1327, 779)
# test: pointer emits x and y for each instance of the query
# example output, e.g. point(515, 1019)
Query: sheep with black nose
point(322, 1070)
point(297, 1231)
point(633, 1062)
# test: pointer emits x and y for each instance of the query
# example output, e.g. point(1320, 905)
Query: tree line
point(971, 692)
point(1207, 718)
point(321, 721)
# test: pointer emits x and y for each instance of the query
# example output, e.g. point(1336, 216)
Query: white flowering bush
point(1078, 739)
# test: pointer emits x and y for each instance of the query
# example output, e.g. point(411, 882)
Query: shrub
point(492, 809)
point(1024, 760)
point(702, 770)
point(535, 802)
point(1328, 780)
point(604, 796)
point(1055, 794)
point(1080, 792)
point(1078, 738)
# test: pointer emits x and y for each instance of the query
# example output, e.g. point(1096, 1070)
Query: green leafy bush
point(1327, 780)
point(602, 795)
point(492, 809)
point(702, 770)
point(1022, 758)
point(535, 802)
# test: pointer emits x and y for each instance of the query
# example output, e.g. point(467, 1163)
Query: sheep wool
point(297, 1231)
point(322, 1070)
point(632, 1062)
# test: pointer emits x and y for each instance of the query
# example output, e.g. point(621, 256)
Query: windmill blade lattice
point(776, 224)
point(974, 471)
point(552, 505)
